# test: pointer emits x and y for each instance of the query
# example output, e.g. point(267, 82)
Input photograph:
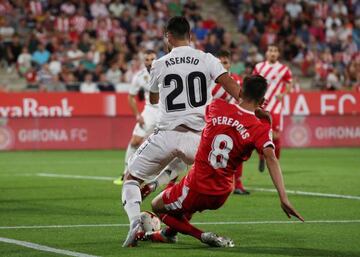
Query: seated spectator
point(41, 55)
point(24, 61)
point(75, 55)
point(114, 74)
point(80, 73)
point(31, 78)
point(55, 85)
point(200, 31)
point(55, 65)
point(98, 9)
point(44, 75)
point(13, 50)
point(104, 85)
point(212, 45)
point(88, 86)
point(116, 8)
point(70, 81)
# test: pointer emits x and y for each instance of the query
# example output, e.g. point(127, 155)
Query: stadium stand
point(53, 42)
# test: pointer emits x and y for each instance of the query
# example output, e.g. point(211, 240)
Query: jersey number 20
point(190, 89)
point(221, 147)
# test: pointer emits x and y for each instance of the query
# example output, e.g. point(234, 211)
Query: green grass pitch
point(27, 199)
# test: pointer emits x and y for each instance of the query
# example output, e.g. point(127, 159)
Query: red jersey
point(229, 137)
point(277, 75)
point(219, 92)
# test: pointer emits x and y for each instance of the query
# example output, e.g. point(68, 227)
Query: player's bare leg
point(170, 173)
point(181, 224)
point(133, 145)
point(131, 200)
point(276, 140)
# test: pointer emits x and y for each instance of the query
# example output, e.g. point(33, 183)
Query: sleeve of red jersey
point(264, 137)
point(287, 76)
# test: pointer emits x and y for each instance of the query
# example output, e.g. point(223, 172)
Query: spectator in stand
point(80, 72)
point(75, 55)
point(44, 75)
point(104, 85)
point(55, 85)
point(31, 78)
point(98, 9)
point(212, 46)
point(88, 86)
point(116, 8)
point(113, 75)
point(41, 56)
point(24, 61)
point(55, 65)
point(13, 50)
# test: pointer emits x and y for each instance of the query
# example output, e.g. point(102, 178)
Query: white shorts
point(160, 149)
point(150, 116)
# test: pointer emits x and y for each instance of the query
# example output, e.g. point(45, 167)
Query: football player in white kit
point(181, 83)
point(145, 121)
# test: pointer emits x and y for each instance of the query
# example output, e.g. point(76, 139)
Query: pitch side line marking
point(295, 192)
point(74, 176)
point(44, 248)
point(353, 197)
point(195, 223)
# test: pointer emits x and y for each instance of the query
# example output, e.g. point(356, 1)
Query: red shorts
point(277, 122)
point(182, 199)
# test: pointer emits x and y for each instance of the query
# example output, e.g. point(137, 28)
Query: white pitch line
point(44, 248)
point(51, 175)
point(195, 223)
point(295, 192)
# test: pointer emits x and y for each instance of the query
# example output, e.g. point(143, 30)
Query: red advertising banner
point(66, 133)
point(15, 105)
point(321, 131)
point(22, 105)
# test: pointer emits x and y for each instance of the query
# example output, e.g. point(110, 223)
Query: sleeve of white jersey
point(154, 83)
point(215, 66)
point(134, 87)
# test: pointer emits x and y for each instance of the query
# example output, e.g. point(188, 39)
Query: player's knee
point(128, 176)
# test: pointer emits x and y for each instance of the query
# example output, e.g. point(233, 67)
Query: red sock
point(237, 177)
point(181, 224)
point(172, 232)
point(277, 147)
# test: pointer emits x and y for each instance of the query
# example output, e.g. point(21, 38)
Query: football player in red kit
point(232, 132)
point(219, 92)
point(279, 78)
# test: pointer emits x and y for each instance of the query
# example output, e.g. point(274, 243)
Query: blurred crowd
point(320, 37)
point(98, 45)
point(90, 45)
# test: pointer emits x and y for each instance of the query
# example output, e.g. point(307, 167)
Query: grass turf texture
point(27, 199)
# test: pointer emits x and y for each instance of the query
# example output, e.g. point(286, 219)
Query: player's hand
point(140, 120)
point(290, 211)
point(262, 114)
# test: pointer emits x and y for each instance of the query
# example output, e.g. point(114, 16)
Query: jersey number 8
point(221, 147)
point(190, 89)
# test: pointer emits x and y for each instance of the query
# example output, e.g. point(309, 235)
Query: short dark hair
point(224, 53)
point(254, 88)
point(150, 51)
point(273, 45)
point(178, 26)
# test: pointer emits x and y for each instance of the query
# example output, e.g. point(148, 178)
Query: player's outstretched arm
point(230, 85)
point(277, 178)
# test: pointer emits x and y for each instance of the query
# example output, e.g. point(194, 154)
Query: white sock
point(130, 150)
point(170, 172)
point(131, 199)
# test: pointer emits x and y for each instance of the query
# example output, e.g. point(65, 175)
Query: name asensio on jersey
point(179, 60)
point(224, 120)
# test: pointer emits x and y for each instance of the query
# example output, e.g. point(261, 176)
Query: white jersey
point(183, 78)
point(140, 80)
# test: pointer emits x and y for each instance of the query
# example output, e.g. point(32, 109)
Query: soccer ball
point(150, 221)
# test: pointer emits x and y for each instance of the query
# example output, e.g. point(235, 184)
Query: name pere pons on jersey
point(179, 60)
point(224, 120)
